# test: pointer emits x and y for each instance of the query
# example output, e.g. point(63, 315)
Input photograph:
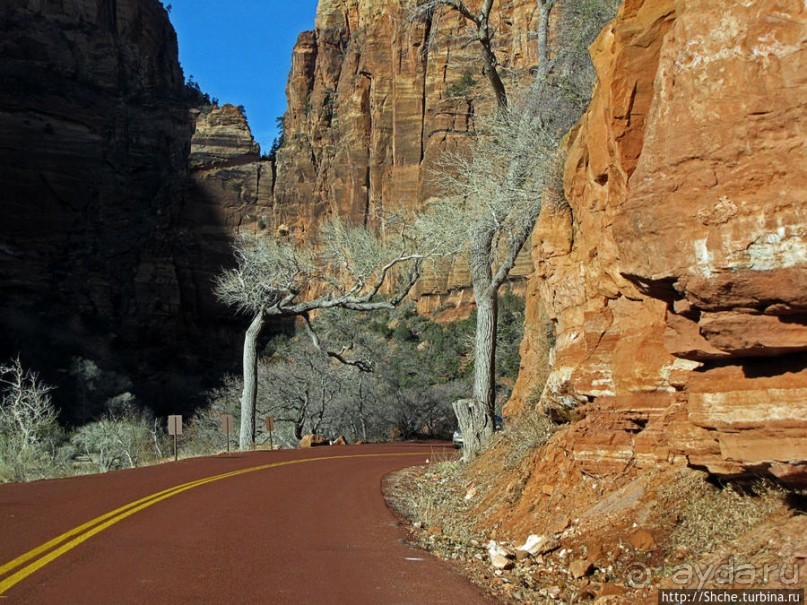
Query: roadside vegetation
point(34, 445)
point(419, 368)
point(362, 364)
point(491, 193)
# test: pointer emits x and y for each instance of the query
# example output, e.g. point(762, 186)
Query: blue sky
point(239, 51)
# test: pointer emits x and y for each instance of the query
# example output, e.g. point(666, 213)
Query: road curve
point(285, 527)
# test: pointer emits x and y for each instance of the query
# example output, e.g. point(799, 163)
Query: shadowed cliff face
point(685, 337)
point(99, 240)
point(230, 192)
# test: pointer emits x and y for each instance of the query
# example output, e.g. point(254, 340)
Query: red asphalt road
point(314, 532)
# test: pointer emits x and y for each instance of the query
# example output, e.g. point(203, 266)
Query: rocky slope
point(374, 100)
point(104, 247)
point(675, 281)
point(684, 339)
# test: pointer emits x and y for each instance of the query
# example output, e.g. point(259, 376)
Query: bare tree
point(493, 193)
point(26, 406)
point(483, 34)
point(28, 426)
point(544, 11)
point(346, 267)
point(580, 14)
point(125, 437)
point(306, 389)
point(302, 389)
point(491, 200)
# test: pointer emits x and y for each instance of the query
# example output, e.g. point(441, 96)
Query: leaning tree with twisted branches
point(345, 267)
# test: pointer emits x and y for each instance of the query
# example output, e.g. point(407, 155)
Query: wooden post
point(227, 425)
point(175, 429)
point(270, 426)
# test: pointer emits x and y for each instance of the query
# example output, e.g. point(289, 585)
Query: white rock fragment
point(500, 557)
point(536, 545)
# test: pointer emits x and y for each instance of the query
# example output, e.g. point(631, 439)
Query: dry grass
point(523, 437)
point(431, 498)
point(714, 516)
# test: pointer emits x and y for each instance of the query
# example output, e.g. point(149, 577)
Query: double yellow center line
point(55, 548)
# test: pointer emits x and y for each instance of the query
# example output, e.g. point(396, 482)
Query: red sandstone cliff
point(230, 192)
point(372, 104)
point(677, 276)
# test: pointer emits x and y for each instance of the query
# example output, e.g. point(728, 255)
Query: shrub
point(463, 87)
point(30, 436)
point(124, 438)
point(716, 515)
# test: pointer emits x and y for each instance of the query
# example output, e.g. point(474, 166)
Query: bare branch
point(484, 35)
point(492, 195)
point(346, 267)
point(361, 364)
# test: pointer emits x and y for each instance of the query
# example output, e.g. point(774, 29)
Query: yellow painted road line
point(85, 531)
point(76, 530)
point(85, 526)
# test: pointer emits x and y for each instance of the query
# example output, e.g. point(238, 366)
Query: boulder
point(538, 545)
point(313, 441)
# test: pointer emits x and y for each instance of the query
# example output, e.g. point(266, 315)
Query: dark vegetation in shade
point(419, 368)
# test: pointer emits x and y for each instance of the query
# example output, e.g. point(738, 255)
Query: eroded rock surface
point(230, 193)
point(102, 242)
point(677, 276)
point(374, 100)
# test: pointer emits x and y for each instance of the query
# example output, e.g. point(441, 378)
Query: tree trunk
point(362, 419)
point(487, 312)
point(249, 396)
point(481, 417)
point(474, 425)
point(363, 422)
point(544, 9)
point(492, 72)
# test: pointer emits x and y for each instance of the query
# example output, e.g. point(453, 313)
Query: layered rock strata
point(374, 101)
point(101, 235)
point(230, 193)
point(677, 275)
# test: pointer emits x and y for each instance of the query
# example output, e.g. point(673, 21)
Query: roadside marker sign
point(270, 426)
point(175, 425)
point(175, 429)
point(227, 427)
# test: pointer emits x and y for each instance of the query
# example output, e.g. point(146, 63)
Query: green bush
point(463, 87)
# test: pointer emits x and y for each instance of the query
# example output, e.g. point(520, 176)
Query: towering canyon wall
point(106, 249)
point(677, 275)
point(230, 192)
point(374, 100)
point(94, 141)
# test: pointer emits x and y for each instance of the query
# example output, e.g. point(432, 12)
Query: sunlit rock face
point(374, 102)
point(677, 277)
point(230, 192)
